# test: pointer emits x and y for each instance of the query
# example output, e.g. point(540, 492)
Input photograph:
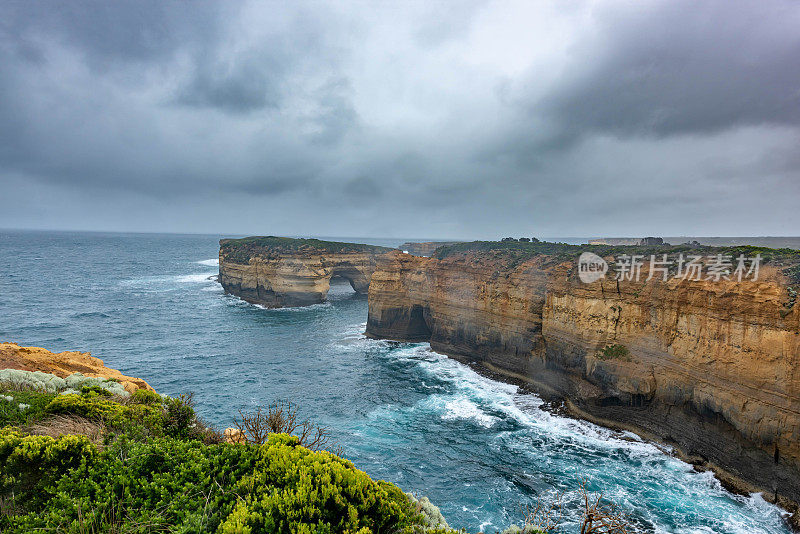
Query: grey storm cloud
point(682, 67)
point(446, 119)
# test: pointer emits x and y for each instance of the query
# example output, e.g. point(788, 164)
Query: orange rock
point(296, 275)
point(63, 364)
point(234, 435)
point(712, 367)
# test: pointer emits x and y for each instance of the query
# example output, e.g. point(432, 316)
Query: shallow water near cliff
point(479, 448)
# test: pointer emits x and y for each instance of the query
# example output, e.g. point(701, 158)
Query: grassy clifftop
point(519, 251)
point(241, 250)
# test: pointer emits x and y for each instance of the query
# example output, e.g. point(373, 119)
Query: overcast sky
point(469, 119)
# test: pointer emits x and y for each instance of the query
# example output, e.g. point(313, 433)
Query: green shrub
point(94, 406)
point(191, 487)
point(145, 396)
point(29, 465)
point(142, 416)
point(156, 470)
point(179, 418)
point(95, 389)
point(431, 514)
point(293, 489)
point(614, 352)
point(12, 414)
point(241, 250)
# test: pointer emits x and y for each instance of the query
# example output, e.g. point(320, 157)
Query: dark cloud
point(251, 83)
point(127, 30)
point(681, 67)
point(449, 119)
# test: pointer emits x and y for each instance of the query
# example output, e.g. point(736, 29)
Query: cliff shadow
point(342, 289)
point(352, 274)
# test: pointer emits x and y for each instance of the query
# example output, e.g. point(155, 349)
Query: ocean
point(480, 449)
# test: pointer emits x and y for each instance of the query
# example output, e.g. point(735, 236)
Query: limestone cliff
point(710, 367)
point(278, 272)
point(424, 248)
point(63, 364)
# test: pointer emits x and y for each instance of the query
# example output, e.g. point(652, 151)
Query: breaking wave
point(542, 454)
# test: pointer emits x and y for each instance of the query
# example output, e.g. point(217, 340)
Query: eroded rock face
point(281, 272)
point(425, 248)
point(63, 364)
point(711, 367)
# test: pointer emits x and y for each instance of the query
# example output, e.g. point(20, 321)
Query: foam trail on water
point(213, 262)
point(553, 453)
point(167, 283)
point(292, 309)
point(194, 278)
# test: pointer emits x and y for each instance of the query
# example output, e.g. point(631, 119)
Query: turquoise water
point(480, 449)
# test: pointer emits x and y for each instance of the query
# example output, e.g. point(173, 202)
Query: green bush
point(30, 465)
point(95, 389)
point(293, 489)
point(145, 396)
point(186, 486)
point(155, 470)
point(94, 406)
point(34, 404)
point(614, 352)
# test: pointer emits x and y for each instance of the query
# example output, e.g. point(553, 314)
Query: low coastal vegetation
point(514, 252)
point(94, 461)
point(241, 250)
point(102, 460)
point(614, 352)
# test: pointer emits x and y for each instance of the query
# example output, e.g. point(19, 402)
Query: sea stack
point(282, 272)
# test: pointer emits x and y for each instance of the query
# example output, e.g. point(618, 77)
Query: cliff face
point(63, 364)
point(425, 248)
point(711, 367)
point(279, 272)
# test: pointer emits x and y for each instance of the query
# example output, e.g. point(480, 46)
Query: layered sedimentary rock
point(63, 364)
point(710, 367)
point(278, 272)
point(425, 248)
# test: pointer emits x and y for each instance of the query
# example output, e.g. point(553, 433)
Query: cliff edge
point(711, 367)
point(63, 364)
point(279, 272)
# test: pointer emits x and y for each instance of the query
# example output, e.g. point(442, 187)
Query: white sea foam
point(213, 262)
point(168, 283)
point(293, 309)
point(466, 409)
point(639, 476)
point(195, 278)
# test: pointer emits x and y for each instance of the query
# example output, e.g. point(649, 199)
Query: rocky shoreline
point(710, 368)
point(713, 370)
point(566, 408)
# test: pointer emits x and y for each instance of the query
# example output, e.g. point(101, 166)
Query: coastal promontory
point(279, 272)
point(709, 366)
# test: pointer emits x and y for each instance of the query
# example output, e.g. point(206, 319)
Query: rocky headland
point(64, 364)
point(710, 367)
point(278, 271)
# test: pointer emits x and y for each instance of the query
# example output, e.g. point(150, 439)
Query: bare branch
point(281, 417)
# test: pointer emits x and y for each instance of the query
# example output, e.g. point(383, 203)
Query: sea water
point(480, 449)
